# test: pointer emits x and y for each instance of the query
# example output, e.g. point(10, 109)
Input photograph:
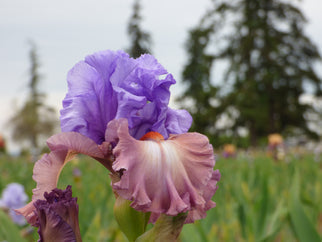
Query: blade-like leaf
point(303, 227)
point(8, 230)
point(275, 222)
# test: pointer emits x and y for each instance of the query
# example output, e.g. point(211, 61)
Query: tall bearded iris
point(116, 111)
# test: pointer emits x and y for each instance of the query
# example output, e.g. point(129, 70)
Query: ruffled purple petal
point(110, 85)
point(178, 121)
point(90, 102)
point(165, 177)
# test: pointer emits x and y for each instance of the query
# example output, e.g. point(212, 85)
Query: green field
point(258, 199)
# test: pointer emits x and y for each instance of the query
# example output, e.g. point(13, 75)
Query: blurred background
point(214, 51)
point(249, 72)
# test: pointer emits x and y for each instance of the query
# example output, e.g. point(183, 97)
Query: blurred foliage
point(269, 62)
point(196, 77)
point(34, 119)
point(140, 39)
point(258, 199)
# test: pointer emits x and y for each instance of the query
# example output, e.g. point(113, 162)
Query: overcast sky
point(65, 31)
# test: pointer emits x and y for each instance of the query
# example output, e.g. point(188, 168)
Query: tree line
point(268, 63)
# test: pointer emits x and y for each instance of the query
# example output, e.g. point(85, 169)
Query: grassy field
point(258, 199)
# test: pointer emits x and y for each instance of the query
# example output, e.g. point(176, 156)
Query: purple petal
point(178, 121)
point(57, 216)
point(13, 197)
point(109, 85)
point(89, 103)
point(54, 227)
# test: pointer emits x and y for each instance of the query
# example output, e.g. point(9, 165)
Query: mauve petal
point(169, 176)
point(64, 147)
point(28, 212)
point(200, 211)
point(74, 143)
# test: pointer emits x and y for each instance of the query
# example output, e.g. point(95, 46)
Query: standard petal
point(178, 121)
point(90, 103)
point(64, 147)
point(171, 176)
point(110, 85)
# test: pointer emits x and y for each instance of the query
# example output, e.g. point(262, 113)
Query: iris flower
point(13, 197)
point(116, 111)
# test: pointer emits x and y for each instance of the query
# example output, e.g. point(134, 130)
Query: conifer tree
point(270, 64)
point(34, 119)
point(196, 77)
point(140, 40)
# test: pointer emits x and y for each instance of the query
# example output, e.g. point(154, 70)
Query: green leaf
point(262, 206)
point(8, 230)
point(92, 234)
point(275, 222)
point(242, 219)
point(303, 227)
point(201, 231)
point(166, 228)
point(132, 222)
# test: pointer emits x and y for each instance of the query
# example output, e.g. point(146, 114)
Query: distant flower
point(110, 85)
point(229, 150)
point(57, 216)
point(275, 140)
point(13, 197)
point(276, 146)
point(2, 144)
point(77, 173)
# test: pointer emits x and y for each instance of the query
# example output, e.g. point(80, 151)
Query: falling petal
point(64, 147)
point(170, 176)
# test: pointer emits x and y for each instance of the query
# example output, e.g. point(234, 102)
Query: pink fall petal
point(170, 176)
point(64, 147)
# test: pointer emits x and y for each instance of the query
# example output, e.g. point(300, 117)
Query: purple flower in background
point(110, 85)
point(57, 216)
point(13, 197)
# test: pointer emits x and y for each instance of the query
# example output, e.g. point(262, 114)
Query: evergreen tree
point(270, 64)
point(196, 77)
point(34, 119)
point(140, 40)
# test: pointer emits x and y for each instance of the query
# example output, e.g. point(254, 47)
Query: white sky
point(65, 31)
